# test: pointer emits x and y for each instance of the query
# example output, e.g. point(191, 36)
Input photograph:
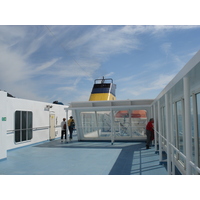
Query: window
point(23, 126)
point(180, 128)
point(104, 123)
point(122, 123)
point(130, 123)
point(192, 129)
point(198, 122)
point(163, 116)
point(138, 122)
point(89, 126)
point(174, 121)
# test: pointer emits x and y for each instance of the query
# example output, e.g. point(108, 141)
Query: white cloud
point(12, 66)
point(101, 42)
point(142, 86)
point(161, 28)
point(10, 35)
point(161, 81)
point(166, 47)
point(47, 64)
point(67, 88)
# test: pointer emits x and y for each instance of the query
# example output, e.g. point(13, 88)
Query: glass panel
point(24, 125)
point(121, 123)
point(180, 128)
point(138, 122)
point(192, 128)
point(17, 126)
point(198, 120)
point(17, 136)
point(163, 125)
point(30, 125)
point(174, 128)
point(104, 123)
point(89, 126)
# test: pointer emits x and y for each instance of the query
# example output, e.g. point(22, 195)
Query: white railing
point(196, 168)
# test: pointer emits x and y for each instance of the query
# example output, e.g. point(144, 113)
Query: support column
point(168, 134)
point(67, 129)
point(155, 125)
point(196, 142)
point(96, 121)
point(186, 88)
point(171, 130)
point(160, 132)
point(112, 127)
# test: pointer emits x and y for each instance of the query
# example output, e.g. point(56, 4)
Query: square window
point(23, 126)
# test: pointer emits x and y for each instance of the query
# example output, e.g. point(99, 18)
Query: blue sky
point(48, 63)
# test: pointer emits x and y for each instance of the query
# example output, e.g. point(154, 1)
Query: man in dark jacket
point(71, 126)
point(149, 132)
point(63, 129)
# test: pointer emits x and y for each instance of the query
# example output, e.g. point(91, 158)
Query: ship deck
point(83, 158)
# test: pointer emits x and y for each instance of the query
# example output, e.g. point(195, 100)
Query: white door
point(52, 126)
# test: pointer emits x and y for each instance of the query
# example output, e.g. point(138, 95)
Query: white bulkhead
point(35, 121)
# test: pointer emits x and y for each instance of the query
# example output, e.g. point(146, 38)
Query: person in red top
point(149, 132)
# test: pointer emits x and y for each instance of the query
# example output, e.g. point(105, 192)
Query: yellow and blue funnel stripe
point(103, 91)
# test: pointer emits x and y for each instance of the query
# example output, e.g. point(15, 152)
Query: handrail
point(177, 150)
point(34, 129)
point(194, 166)
point(180, 153)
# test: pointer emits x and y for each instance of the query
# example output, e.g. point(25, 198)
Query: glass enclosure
point(124, 123)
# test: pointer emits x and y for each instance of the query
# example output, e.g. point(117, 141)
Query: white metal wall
point(41, 123)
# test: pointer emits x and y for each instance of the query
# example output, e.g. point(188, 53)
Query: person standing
point(149, 132)
point(63, 129)
point(71, 126)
